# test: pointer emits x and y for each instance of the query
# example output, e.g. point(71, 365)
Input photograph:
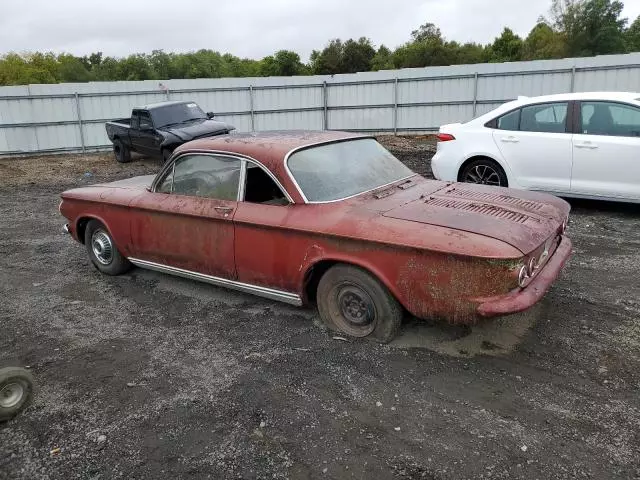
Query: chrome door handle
point(590, 146)
point(509, 140)
point(224, 210)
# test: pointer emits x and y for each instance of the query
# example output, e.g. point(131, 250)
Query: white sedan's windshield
point(344, 169)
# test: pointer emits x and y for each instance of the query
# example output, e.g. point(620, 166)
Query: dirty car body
point(296, 204)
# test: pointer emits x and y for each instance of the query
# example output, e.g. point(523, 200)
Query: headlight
point(522, 276)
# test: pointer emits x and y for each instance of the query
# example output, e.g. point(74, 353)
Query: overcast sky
point(252, 28)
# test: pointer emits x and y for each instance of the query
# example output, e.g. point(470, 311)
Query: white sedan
point(574, 145)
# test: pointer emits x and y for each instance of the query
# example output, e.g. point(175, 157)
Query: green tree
point(507, 47)
point(382, 60)
point(590, 27)
point(73, 69)
point(329, 60)
point(284, 63)
point(357, 56)
point(543, 42)
point(632, 36)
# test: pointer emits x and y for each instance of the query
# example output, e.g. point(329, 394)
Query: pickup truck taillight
point(445, 137)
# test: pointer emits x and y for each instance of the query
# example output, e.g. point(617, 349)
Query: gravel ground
point(147, 376)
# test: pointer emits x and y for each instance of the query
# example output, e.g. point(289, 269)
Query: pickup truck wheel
point(121, 151)
point(16, 388)
point(103, 251)
point(352, 301)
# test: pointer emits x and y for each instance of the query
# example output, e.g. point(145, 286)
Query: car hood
point(524, 220)
point(204, 128)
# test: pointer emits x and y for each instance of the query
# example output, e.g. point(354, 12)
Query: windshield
point(180, 113)
point(344, 169)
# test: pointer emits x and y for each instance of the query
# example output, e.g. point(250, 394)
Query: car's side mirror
point(209, 114)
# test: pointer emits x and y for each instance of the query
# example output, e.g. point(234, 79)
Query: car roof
point(625, 96)
point(269, 148)
point(153, 106)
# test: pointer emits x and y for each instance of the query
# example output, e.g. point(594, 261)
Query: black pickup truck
point(159, 128)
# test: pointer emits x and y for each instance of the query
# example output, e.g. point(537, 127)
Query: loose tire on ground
point(484, 171)
point(103, 251)
point(16, 390)
point(121, 151)
point(352, 301)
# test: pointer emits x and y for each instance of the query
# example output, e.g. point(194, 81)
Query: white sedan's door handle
point(510, 139)
point(588, 145)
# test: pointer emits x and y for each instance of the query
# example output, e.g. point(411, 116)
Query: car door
point(143, 136)
point(267, 253)
point(606, 150)
point(535, 141)
point(186, 220)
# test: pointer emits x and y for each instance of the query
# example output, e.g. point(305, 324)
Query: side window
point(260, 188)
point(609, 118)
point(145, 121)
point(547, 118)
point(509, 121)
point(135, 120)
point(166, 184)
point(206, 176)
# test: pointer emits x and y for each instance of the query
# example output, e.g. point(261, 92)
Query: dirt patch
point(147, 376)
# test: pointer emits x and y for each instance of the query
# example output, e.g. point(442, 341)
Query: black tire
point(166, 155)
point(352, 301)
point(102, 250)
point(121, 151)
point(16, 390)
point(484, 171)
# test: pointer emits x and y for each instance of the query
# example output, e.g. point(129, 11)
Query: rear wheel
point(484, 171)
point(121, 151)
point(16, 388)
point(353, 302)
point(102, 250)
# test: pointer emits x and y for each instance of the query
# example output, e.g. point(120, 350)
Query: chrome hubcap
point(483, 174)
point(102, 247)
point(356, 306)
point(11, 395)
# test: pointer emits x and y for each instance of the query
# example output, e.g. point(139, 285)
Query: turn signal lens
point(445, 137)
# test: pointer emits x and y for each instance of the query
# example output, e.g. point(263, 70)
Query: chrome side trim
point(270, 293)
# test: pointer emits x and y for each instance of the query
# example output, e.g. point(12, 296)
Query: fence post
point(325, 117)
point(168, 94)
point(79, 116)
point(475, 94)
point(395, 106)
point(573, 79)
point(253, 124)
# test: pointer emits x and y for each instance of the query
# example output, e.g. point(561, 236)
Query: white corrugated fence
point(70, 117)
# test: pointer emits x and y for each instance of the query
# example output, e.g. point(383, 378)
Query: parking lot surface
point(148, 376)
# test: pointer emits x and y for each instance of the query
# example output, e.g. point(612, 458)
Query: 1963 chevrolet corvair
point(330, 218)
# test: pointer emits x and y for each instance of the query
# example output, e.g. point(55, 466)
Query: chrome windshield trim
point(265, 292)
point(311, 145)
point(362, 193)
point(317, 202)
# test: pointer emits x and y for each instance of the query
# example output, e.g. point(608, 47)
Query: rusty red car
point(332, 219)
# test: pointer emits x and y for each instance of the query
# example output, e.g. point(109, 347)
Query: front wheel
point(103, 251)
point(484, 171)
point(16, 388)
point(352, 301)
